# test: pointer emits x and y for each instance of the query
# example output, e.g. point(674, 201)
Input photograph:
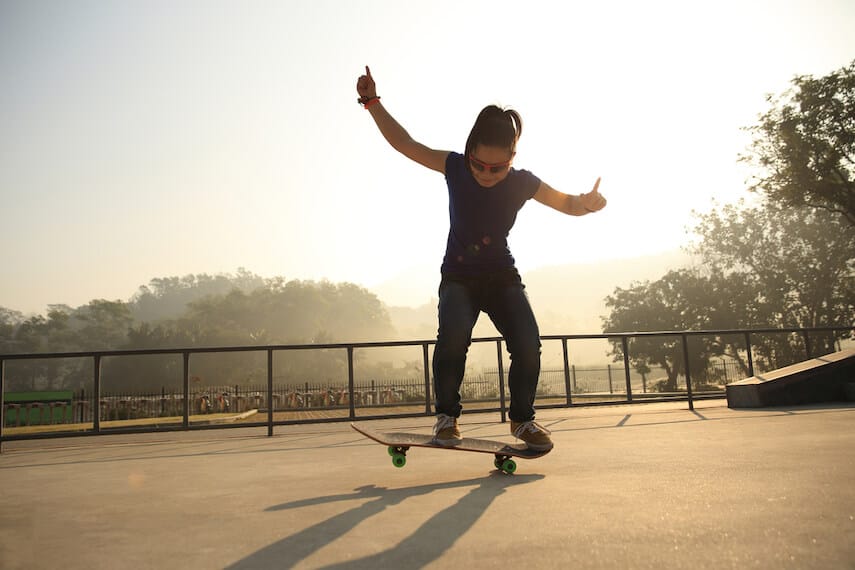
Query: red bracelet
point(370, 102)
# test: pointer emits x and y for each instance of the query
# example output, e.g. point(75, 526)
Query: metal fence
point(86, 412)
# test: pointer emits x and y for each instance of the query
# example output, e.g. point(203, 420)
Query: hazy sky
point(153, 138)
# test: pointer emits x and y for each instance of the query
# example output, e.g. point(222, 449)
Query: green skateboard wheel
point(509, 466)
point(399, 460)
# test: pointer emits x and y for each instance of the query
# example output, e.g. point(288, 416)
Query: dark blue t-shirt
point(481, 218)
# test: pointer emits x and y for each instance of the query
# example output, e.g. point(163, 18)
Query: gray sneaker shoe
point(446, 432)
point(533, 434)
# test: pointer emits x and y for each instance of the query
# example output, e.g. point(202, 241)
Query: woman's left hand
point(593, 201)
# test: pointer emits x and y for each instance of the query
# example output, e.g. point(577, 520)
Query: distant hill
point(570, 299)
point(567, 299)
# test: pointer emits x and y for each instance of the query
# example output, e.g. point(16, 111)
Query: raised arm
point(570, 204)
point(393, 132)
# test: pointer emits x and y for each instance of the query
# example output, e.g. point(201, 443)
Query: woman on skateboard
point(478, 271)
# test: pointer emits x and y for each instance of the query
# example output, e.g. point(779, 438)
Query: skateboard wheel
point(509, 466)
point(392, 451)
point(399, 460)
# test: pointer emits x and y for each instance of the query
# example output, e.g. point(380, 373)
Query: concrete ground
point(643, 486)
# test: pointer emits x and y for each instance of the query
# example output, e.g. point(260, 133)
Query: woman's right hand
point(365, 85)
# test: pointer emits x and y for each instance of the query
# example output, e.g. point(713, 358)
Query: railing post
point(625, 345)
point(3, 401)
point(96, 393)
point(567, 389)
point(270, 393)
point(426, 362)
point(185, 420)
point(688, 371)
point(808, 348)
point(501, 381)
point(750, 356)
point(350, 381)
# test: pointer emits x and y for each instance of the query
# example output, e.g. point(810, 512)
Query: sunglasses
point(493, 168)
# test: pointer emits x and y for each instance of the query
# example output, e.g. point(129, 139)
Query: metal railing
point(348, 348)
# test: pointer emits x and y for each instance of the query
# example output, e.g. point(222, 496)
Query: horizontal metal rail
point(391, 344)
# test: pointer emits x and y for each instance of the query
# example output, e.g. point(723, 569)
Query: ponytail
point(516, 121)
point(495, 127)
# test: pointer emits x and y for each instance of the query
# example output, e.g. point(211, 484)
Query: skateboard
point(398, 443)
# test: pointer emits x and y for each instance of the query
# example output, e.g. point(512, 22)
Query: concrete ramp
point(829, 378)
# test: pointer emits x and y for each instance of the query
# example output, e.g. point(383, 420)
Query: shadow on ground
point(426, 544)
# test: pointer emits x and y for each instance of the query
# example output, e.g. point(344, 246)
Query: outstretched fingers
point(365, 84)
point(593, 200)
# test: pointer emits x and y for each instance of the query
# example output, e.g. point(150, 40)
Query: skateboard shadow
point(423, 546)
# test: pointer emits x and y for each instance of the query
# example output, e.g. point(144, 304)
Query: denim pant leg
point(458, 313)
point(511, 312)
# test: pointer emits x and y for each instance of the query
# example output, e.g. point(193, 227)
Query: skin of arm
point(394, 133)
point(401, 140)
point(569, 204)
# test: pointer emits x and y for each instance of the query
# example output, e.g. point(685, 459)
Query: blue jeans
point(502, 296)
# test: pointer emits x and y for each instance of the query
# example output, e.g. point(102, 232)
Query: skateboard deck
point(399, 442)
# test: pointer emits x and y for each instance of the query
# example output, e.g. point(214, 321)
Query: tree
point(764, 266)
point(104, 324)
point(796, 267)
point(196, 311)
point(294, 312)
point(168, 297)
point(804, 145)
point(800, 263)
point(681, 300)
point(10, 320)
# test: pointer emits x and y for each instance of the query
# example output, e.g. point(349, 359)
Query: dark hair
point(495, 127)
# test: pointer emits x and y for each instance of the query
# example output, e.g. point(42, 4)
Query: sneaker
point(534, 435)
point(446, 432)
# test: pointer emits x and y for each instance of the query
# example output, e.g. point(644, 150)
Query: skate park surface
point(627, 486)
